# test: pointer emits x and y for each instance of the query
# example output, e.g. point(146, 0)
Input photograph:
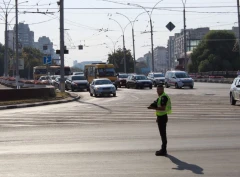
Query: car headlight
point(73, 83)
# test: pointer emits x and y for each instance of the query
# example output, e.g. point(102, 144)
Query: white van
point(178, 79)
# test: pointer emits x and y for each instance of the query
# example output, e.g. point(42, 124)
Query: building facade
point(148, 58)
point(45, 46)
point(171, 59)
point(25, 36)
point(160, 59)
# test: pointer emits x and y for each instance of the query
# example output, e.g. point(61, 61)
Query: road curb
point(71, 98)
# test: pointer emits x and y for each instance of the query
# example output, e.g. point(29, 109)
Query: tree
point(215, 53)
point(117, 59)
point(1, 59)
point(32, 57)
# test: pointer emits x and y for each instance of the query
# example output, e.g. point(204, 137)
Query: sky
point(92, 23)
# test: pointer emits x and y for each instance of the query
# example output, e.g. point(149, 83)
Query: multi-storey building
point(45, 46)
point(148, 58)
point(25, 36)
point(193, 37)
point(171, 59)
point(160, 59)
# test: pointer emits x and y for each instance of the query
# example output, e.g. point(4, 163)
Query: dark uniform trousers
point(162, 126)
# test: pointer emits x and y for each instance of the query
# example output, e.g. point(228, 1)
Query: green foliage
point(1, 59)
point(117, 59)
point(32, 57)
point(214, 53)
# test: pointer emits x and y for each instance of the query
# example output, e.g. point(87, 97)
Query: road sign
point(21, 64)
point(170, 26)
point(47, 60)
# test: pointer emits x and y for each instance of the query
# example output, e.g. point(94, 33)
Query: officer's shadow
point(185, 166)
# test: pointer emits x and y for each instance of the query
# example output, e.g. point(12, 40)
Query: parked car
point(178, 79)
point(44, 78)
point(56, 82)
point(76, 82)
point(52, 79)
point(121, 79)
point(235, 91)
point(156, 78)
point(138, 81)
point(100, 87)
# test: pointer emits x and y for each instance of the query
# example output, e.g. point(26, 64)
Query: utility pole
point(13, 63)
point(184, 33)
point(124, 48)
point(124, 54)
point(238, 10)
point(6, 46)
point(17, 65)
point(134, 56)
point(185, 42)
point(62, 81)
point(152, 44)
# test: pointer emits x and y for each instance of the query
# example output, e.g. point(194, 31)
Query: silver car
point(235, 91)
point(100, 87)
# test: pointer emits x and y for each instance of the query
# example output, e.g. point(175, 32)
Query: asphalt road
point(118, 136)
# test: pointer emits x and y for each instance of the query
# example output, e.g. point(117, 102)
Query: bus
point(100, 70)
point(39, 71)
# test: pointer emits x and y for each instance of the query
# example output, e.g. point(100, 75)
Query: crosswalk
point(128, 106)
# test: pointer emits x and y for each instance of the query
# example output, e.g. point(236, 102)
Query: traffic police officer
point(163, 107)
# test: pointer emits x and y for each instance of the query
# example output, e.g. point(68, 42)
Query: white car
point(235, 91)
point(100, 87)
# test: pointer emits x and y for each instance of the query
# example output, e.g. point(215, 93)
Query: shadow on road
point(185, 166)
point(102, 107)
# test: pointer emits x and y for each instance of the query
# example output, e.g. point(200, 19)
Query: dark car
point(76, 82)
point(138, 81)
point(121, 80)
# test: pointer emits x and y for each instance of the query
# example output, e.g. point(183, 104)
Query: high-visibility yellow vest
point(168, 109)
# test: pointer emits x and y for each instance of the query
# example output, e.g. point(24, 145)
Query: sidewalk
point(71, 98)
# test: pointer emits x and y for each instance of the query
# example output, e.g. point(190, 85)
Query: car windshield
point(140, 77)
point(181, 75)
point(78, 73)
point(43, 78)
point(40, 71)
point(123, 76)
point(102, 82)
point(102, 72)
point(158, 75)
point(78, 78)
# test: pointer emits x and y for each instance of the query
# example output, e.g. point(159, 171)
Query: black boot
point(161, 152)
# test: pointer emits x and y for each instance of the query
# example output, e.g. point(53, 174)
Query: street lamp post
point(184, 33)
point(112, 42)
point(133, 36)
point(17, 55)
point(151, 26)
point(124, 49)
point(238, 11)
point(6, 12)
point(62, 82)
